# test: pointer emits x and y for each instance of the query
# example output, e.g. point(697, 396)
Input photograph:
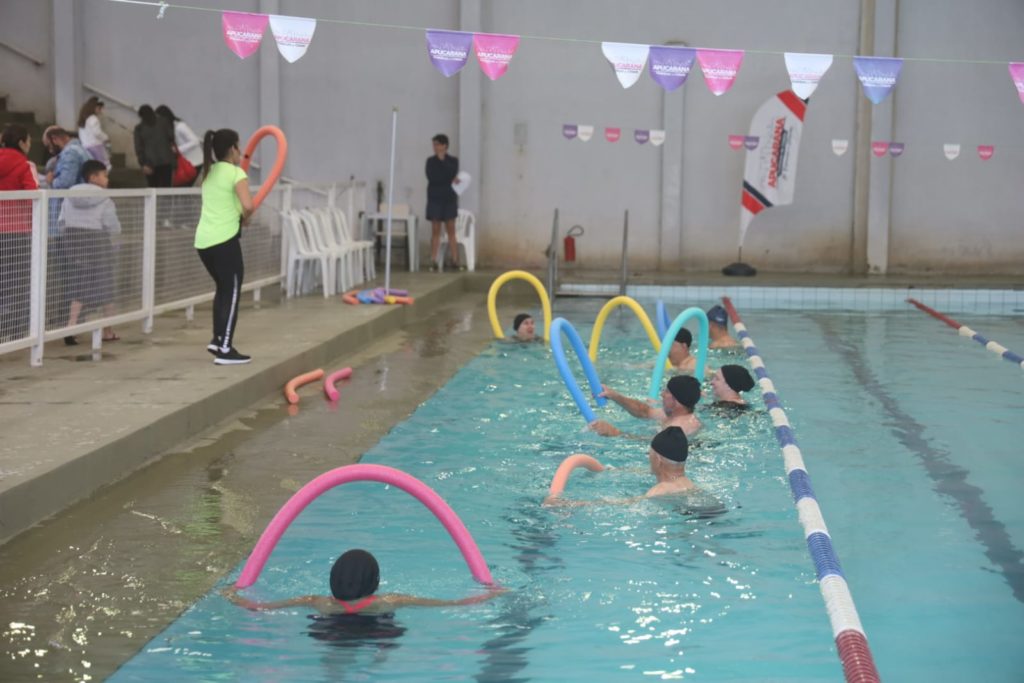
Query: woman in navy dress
point(442, 201)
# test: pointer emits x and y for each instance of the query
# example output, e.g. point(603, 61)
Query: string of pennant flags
point(668, 65)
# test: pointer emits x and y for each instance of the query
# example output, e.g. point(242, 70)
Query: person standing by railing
point(227, 205)
point(90, 131)
point(16, 173)
point(154, 148)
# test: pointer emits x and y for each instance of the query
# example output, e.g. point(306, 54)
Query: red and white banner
point(769, 177)
point(243, 31)
point(293, 35)
point(720, 68)
point(494, 52)
point(627, 60)
point(805, 70)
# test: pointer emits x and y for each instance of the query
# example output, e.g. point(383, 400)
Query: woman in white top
point(188, 143)
point(90, 132)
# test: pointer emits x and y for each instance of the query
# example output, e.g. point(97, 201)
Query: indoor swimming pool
point(910, 434)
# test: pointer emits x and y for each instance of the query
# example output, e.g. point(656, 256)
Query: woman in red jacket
point(16, 173)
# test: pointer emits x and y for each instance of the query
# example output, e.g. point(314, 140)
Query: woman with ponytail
point(227, 205)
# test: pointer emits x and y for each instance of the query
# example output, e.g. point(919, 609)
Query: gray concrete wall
point(683, 198)
point(26, 25)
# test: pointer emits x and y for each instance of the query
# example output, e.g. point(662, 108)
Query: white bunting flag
point(805, 70)
point(293, 35)
point(627, 59)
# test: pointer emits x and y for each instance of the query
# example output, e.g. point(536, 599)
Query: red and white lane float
point(964, 331)
point(350, 473)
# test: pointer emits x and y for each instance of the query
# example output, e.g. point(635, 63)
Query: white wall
point(335, 103)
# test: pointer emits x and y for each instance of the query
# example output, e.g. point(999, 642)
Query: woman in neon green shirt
point(227, 205)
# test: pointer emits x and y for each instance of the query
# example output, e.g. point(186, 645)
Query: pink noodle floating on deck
point(329, 381)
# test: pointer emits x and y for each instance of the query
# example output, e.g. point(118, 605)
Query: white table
point(408, 220)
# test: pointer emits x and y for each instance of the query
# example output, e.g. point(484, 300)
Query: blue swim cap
point(717, 315)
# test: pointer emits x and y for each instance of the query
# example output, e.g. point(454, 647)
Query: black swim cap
point(717, 315)
point(519, 320)
point(683, 336)
point(685, 389)
point(671, 443)
point(355, 575)
point(737, 377)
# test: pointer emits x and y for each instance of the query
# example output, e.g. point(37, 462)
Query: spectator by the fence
point(227, 206)
point(154, 147)
point(70, 157)
point(188, 143)
point(89, 222)
point(16, 173)
point(90, 130)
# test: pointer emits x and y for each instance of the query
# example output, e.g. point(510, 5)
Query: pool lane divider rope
point(851, 643)
point(964, 331)
point(350, 473)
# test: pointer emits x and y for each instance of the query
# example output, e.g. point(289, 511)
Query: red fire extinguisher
point(569, 243)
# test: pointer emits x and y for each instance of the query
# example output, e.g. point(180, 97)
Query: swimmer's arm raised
point(633, 406)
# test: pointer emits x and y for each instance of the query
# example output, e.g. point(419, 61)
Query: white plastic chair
point(364, 266)
point(302, 253)
point(400, 216)
point(340, 257)
point(465, 235)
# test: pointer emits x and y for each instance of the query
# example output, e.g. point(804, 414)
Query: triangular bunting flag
point(839, 147)
point(243, 31)
point(805, 70)
point(720, 68)
point(627, 60)
point(986, 152)
point(951, 150)
point(569, 130)
point(293, 35)
point(612, 134)
point(449, 50)
point(657, 137)
point(494, 51)
point(670, 66)
point(584, 133)
point(1017, 74)
point(878, 75)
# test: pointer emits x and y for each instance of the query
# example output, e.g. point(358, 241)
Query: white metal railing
point(22, 53)
point(58, 279)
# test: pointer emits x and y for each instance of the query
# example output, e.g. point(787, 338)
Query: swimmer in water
point(727, 383)
point(678, 399)
point(718, 329)
point(679, 353)
point(524, 329)
point(667, 456)
point(355, 577)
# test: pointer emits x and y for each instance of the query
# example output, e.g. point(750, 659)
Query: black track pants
point(224, 264)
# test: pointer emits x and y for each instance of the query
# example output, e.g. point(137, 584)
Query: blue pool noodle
point(558, 326)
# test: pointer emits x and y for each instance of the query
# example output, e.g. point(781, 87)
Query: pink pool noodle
point(343, 475)
point(565, 469)
point(329, 389)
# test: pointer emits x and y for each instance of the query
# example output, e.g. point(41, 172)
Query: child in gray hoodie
point(88, 222)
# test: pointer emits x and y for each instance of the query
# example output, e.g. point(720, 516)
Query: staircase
point(120, 175)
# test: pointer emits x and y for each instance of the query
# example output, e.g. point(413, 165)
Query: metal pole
point(391, 194)
point(553, 257)
point(625, 248)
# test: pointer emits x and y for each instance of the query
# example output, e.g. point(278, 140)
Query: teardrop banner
point(720, 68)
point(839, 147)
point(878, 75)
point(751, 141)
point(1017, 74)
point(670, 65)
point(805, 70)
point(569, 130)
point(736, 141)
point(449, 50)
point(243, 31)
point(951, 150)
point(612, 134)
point(584, 133)
point(657, 137)
point(494, 51)
point(627, 60)
point(293, 35)
point(641, 136)
point(879, 148)
point(986, 152)
point(896, 148)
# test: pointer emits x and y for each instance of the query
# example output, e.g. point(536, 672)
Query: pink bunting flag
point(494, 51)
point(1017, 74)
point(736, 141)
point(612, 134)
point(879, 148)
point(719, 68)
point(243, 31)
point(986, 152)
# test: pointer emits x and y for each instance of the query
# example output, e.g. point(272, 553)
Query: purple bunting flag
point(641, 136)
point(669, 66)
point(569, 130)
point(449, 50)
point(878, 75)
point(750, 141)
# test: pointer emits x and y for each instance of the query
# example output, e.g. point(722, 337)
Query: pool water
point(911, 436)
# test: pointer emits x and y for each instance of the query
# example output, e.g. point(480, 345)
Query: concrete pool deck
point(75, 425)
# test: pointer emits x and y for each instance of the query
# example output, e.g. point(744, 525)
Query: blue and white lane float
point(964, 331)
point(558, 327)
point(852, 644)
point(669, 336)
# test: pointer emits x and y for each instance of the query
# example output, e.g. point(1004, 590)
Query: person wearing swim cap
point(523, 328)
point(678, 400)
point(728, 382)
point(718, 329)
point(679, 353)
point(355, 577)
point(667, 455)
